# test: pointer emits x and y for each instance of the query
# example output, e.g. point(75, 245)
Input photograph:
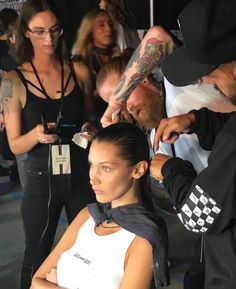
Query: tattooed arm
point(154, 47)
point(12, 95)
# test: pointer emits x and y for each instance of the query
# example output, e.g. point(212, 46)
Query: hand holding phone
point(48, 129)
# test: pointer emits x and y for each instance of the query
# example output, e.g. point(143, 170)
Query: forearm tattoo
point(135, 57)
point(144, 64)
point(125, 95)
point(6, 91)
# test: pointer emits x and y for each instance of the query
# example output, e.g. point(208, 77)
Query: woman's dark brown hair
point(23, 50)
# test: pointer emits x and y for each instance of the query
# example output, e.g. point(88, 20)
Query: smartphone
point(46, 129)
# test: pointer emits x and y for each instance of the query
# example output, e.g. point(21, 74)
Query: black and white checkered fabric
point(199, 211)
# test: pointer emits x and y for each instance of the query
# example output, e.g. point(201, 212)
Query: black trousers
point(220, 259)
point(4, 147)
point(218, 269)
point(42, 203)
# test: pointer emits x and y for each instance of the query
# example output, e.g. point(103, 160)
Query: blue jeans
point(41, 208)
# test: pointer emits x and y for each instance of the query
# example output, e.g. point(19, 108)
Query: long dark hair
point(23, 50)
point(133, 147)
point(8, 17)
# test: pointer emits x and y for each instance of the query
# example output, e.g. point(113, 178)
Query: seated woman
point(95, 45)
point(118, 242)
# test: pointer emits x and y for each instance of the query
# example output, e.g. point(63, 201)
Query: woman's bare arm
point(12, 95)
point(67, 240)
point(138, 265)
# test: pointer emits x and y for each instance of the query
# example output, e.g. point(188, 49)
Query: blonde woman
point(95, 45)
point(120, 11)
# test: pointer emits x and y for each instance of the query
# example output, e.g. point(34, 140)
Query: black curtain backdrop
point(72, 11)
point(165, 13)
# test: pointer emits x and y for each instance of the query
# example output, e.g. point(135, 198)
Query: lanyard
point(59, 115)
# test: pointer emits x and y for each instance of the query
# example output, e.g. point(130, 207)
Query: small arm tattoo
point(6, 91)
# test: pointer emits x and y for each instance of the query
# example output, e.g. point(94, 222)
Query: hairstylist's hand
point(88, 131)
point(170, 128)
point(156, 165)
point(52, 276)
point(45, 138)
point(115, 112)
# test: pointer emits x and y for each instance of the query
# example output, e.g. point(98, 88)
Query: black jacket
point(207, 203)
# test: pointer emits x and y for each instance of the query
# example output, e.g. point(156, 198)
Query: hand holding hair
point(170, 128)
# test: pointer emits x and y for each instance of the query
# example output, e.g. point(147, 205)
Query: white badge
point(61, 159)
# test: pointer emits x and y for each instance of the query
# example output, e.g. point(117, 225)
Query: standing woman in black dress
point(46, 88)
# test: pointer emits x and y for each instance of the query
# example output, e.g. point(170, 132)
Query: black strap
point(73, 73)
point(26, 81)
point(22, 78)
point(67, 82)
point(35, 86)
point(59, 114)
point(41, 84)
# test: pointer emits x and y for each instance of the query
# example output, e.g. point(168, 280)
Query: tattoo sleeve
point(6, 91)
point(146, 57)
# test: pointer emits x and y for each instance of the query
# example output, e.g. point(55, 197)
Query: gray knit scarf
point(140, 220)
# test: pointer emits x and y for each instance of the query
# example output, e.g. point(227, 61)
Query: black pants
point(220, 259)
point(4, 147)
point(41, 209)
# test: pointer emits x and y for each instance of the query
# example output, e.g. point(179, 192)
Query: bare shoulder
point(83, 214)
point(140, 245)
point(138, 265)
point(12, 77)
point(11, 88)
point(81, 218)
point(71, 233)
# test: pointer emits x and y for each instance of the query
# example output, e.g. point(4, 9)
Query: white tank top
point(94, 261)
